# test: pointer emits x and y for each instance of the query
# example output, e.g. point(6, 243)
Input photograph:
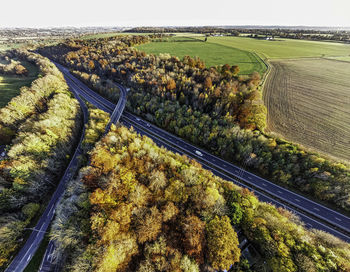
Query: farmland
point(308, 101)
point(10, 84)
point(284, 48)
point(243, 51)
point(212, 53)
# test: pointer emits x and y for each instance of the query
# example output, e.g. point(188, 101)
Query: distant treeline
point(201, 30)
point(307, 34)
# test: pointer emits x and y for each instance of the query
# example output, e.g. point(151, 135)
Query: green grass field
point(10, 85)
point(284, 48)
point(242, 51)
point(211, 53)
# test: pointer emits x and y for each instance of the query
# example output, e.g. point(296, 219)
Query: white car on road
point(199, 153)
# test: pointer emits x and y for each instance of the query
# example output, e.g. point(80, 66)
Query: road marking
point(338, 219)
point(278, 191)
point(249, 177)
point(29, 257)
point(317, 209)
point(50, 210)
point(48, 257)
point(297, 200)
point(264, 184)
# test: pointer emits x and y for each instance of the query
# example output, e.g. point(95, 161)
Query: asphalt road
point(2, 150)
point(48, 261)
point(313, 214)
point(119, 108)
point(26, 253)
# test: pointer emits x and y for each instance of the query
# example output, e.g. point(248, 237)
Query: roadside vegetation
point(138, 207)
point(210, 107)
point(40, 127)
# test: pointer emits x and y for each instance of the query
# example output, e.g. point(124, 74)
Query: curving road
point(313, 214)
point(119, 108)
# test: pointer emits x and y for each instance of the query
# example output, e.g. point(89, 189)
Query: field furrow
point(308, 102)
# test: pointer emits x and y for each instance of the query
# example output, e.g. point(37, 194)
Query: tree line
point(40, 128)
point(313, 33)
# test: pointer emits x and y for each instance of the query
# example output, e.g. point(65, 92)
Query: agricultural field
point(10, 84)
point(284, 48)
point(308, 102)
point(344, 58)
point(212, 54)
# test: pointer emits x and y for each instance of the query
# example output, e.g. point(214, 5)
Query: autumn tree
point(234, 70)
point(171, 85)
point(222, 243)
point(194, 237)
point(149, 225)
point(91, 65)
point(21, 70)
point(208, 83)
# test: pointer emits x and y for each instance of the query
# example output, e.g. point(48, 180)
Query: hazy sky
point(42, 13)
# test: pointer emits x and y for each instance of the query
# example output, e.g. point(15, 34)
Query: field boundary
point(267, 72)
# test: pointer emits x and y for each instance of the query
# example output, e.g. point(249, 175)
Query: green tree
point(222, 243)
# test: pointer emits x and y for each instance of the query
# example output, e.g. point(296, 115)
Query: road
point(312, 213)
point(119, 108)
point(48, 262)
point(2, 151)
point(26, 253)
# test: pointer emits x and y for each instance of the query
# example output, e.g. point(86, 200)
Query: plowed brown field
point(308, 102)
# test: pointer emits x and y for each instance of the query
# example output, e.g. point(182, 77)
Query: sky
point(62, 13)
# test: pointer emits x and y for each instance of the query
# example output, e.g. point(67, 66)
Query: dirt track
point(308, 102)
